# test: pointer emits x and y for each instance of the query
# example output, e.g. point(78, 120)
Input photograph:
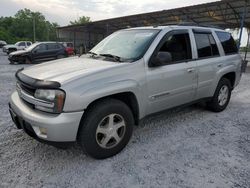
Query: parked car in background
point(69, 47)
point(21, 45)
point(97, 98)
point(2, 43)
point(41, 51)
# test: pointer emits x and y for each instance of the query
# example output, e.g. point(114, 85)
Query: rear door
point(175, 83)
point(53, 49)
point(208, 59)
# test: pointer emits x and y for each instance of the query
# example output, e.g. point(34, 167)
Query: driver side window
point(178, 45)
point(41, 48)
point(21, 44)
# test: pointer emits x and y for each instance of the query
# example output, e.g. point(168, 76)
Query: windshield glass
point(126, 44)
point(32, 46)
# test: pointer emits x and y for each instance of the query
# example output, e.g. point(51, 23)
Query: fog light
point(43, 131)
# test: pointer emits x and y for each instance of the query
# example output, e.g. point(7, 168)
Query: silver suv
point(97, 98)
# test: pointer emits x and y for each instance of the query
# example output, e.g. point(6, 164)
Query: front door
point(40, 52)
point(174, 83)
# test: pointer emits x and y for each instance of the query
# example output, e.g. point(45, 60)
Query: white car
point(2, 43)
point(21, 45)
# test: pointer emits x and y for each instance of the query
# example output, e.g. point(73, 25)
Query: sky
point(64, 11)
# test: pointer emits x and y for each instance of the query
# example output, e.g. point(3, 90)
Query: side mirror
point(34, 51)
point(162, 58)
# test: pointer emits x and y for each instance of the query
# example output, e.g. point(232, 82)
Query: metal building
point(225, 14)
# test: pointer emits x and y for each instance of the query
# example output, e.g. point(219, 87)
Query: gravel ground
point(187, 147)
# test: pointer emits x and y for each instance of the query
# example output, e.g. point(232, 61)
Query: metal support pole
point(248, 35)
point(34, 29)
point(107, 29)
point(74, 39)
point(243, 16)
point(89, 47)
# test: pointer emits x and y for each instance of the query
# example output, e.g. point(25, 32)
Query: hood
point(19, 52)
point(10, 45)
point(68, 69)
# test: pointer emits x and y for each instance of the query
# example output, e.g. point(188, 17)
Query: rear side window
point(206, 45)
point(227, 42)
point(53, 46)
point(28, 43)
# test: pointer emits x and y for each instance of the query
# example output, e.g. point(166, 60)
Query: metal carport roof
point(224, 14)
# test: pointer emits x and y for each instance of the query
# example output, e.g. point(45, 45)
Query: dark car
point(38, 52)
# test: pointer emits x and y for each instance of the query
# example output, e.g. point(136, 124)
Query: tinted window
point(28, 43)
point(53, 46)
point(70, 45)
point(206, 45)
point(41, 48)
point(227, 42)
point(178, 45)
point(21, 44)
point(213, 44)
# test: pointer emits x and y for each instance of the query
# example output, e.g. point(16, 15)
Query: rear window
point(227, 42)
point(69, 45)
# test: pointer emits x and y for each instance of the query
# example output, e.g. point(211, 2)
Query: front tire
point(221, 96)
point(106, 128)
point(27, 60)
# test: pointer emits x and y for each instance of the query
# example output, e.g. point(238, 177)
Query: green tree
point(20, 27)
point(80, 20)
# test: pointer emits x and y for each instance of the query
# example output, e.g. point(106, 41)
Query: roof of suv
point(177, 27)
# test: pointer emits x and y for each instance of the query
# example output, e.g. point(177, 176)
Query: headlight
point(56, 97)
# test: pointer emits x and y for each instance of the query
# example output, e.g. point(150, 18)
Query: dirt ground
point(185, 147)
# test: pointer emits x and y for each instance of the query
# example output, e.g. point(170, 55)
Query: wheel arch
point(129, 98)
point(228, 72)
point(231, 76)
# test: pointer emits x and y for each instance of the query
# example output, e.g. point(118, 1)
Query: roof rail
point(191, 24)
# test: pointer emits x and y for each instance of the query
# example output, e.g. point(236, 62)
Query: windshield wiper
point(92, 53)
point(89, 52)
point(115, 57)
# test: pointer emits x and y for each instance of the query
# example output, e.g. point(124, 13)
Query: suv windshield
point(128, 45)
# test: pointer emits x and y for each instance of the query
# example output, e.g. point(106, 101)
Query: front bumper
point(59, 127)
point(11, 60)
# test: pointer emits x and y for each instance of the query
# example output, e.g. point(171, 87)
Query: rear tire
point(106, 128)
point(221, 96)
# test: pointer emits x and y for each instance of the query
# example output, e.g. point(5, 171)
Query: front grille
point(29, 90)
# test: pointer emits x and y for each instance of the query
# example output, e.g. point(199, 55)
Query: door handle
point(190, 70)
point(219, 65)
